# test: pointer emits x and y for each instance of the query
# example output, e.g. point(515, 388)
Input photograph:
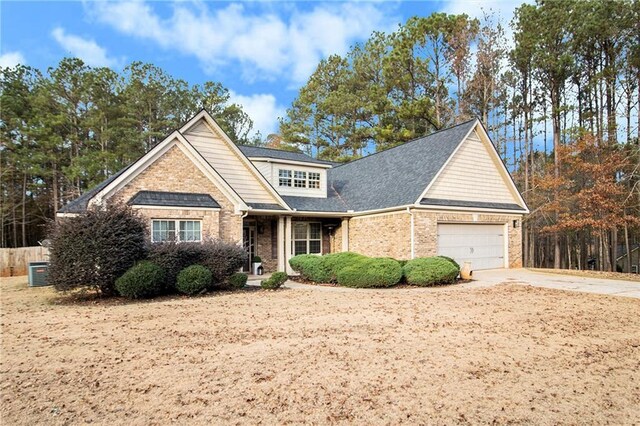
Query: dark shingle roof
point(478, 204)
point(332, 203)
point(265, 206)
point(80, 204)
point(399, 175)
point(258, 151)
point(173, 199)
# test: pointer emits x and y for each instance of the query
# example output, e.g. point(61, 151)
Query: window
point(307, 238)
point(300, 179)
point(285, 177)
point(314, 180)
point(190, 230)
point(165, 230)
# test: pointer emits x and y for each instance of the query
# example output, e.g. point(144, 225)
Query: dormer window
point(285, 177)
point(298, 179)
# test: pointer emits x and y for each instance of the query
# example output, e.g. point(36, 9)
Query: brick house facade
point(447, 193)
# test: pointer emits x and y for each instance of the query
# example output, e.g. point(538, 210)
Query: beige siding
point(264, 168)
point(473, 175)
point(228, 164)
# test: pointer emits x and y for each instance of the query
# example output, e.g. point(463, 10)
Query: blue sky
point(262, 51)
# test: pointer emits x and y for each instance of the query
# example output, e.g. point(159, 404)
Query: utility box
point(38, 272)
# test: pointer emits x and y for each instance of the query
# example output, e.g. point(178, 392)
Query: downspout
point(413, 254)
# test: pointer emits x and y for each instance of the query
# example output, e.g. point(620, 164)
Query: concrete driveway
point(557, 281)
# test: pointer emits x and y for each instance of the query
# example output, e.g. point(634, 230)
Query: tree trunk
point(555, 112)
point(24, 210)
point(627, 247)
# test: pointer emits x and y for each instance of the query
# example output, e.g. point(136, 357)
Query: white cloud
point(263, 110)
point(87, 50)
point(11, 59)
point(266, 45)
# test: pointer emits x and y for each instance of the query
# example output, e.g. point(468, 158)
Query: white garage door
point(482, 245)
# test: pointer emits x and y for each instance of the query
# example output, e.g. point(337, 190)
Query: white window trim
point(307, 240)
point(177, 228)
point(292, 179)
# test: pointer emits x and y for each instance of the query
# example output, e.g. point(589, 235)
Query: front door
point(249, 242)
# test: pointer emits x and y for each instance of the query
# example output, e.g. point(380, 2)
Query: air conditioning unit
point(634, 269)
point(38, 272)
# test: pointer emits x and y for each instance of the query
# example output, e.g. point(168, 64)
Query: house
point(447, 193)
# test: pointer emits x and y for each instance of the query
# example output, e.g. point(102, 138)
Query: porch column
point(345, 233)
point(287, 245)
point(280, 245)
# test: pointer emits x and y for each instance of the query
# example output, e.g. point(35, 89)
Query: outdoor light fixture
point(260, 228)
point(515, 223)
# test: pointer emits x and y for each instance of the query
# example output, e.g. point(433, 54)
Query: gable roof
point(173, 199)
point(80, 204)
point(278, 154)
point(396, 176)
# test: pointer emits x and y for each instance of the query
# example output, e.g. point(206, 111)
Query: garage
point(481, 244)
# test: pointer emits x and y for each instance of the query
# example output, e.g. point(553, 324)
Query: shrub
point(371, 273)
point(193, 279)
point(222, 259)
point(336, 262)
point(428, 271)
point(95, 248)
point(219, 257)
point(174, 257)
point(256, 259)
point(450, 260)
point(143, 280)
point(238, 280)
point(275, 281)
point(311, 267)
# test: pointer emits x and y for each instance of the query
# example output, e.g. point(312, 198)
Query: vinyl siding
point(228, 164)
point(473, 175)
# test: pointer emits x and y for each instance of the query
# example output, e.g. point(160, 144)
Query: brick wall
point(174, 172)
point(381, 235)
point(267, 244)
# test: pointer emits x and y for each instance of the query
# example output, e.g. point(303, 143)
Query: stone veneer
point(175, 172)
point(267, 243)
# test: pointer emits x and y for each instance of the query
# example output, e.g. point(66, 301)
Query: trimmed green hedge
point(311, 267)
point(144, 279)
point(427, 271)
point(238, 280)
point(371, 273)
point(194, 279)
point(275, 281)
point(450, 260)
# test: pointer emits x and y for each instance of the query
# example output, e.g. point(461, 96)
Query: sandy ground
point(506, 354)
point(592, 274)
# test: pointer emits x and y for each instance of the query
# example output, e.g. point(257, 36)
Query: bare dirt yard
point(504, 354)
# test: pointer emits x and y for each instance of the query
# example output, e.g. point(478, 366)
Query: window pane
point(300, 231)
point(314, 247)
point(163, 230)
point(300, 247)
point(300, 179)
point(284, 177)
point(190, 230)
point(315, 231)
point(314, 180)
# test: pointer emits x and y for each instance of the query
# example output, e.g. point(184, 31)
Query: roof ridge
point(407, 142)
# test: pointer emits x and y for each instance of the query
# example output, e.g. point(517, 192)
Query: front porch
point(277, 238)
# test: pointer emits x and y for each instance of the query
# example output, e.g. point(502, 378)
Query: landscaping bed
point(505, 354)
